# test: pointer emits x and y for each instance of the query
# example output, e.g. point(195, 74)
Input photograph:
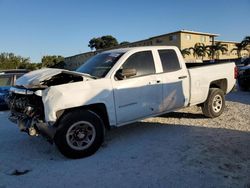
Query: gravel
point(235, 117)
point(180, 149)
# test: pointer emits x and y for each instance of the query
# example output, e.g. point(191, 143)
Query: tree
point(96, 43)
point(215, 49)
point(103, 42)
point(185, 52)
point(124, 42)
point(199, 50)
point(53, 61)
point(12, 61)
point(239, 47)
point(246, 41)
point(109, 41)
point(243, 45)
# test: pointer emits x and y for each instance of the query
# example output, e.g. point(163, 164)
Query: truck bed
point(202, 75)
point(193, 65)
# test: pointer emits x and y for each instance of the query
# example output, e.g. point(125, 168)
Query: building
point(231, 54)
point(73, 62)
point(182, 39)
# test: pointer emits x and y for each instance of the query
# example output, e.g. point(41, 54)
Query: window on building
point(172, 37)
point(142, 62)
point(150, 43)
point(169, 60)
point(203, 38)
point(158, 41)
point(188, 37)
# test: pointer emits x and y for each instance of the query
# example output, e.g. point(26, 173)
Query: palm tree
point(185, 52)
point(215, 49)
point(199, 50)
point(246, 40)
point(240, 47)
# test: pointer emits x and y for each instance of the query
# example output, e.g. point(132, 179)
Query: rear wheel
point(215, 103)
point(80, 134)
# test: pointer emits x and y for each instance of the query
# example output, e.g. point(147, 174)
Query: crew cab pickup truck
point(114, 88)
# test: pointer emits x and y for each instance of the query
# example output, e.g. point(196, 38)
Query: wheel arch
point(98, 108)
point(220, 84)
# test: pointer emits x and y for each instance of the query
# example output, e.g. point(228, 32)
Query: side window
point(142, 62)
point(169, 60)
point(5, 80)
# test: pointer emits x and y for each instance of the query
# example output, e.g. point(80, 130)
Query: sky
point(34, 28)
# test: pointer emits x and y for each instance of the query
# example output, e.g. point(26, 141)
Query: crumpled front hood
point(35, 78)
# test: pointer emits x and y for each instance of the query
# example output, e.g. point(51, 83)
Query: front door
point(139, 95)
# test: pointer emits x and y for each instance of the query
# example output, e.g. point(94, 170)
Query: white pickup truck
point(114, 88)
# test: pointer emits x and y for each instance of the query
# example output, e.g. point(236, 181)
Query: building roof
point(186, 31)
point(200, 33)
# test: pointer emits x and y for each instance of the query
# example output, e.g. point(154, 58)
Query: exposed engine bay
point(26, 110)
point(61, 78)
point(25, 99)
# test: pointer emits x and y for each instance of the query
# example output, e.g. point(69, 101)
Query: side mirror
point(125, 73)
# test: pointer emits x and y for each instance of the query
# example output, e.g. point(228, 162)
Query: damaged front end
point(26, 104)
point(27, 111)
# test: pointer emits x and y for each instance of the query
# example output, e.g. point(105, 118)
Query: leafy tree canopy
point(199, 50)
point(216, 48)
point(243, 45)
point(124, 42)
point(103, 42)
point(12, 61)
point(53, 61)
point(185, 52)
point(246, 41)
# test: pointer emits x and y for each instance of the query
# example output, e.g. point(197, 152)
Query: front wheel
point(215, 103)
point(80, 134)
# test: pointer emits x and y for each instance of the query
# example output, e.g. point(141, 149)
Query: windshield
point(99, 65)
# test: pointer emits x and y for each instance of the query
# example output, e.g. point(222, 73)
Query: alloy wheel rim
point(80, 135)
point(217, 103)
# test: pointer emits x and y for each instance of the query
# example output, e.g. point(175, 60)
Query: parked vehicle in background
point(8, 79)
point(244, 75)
point(115, 88)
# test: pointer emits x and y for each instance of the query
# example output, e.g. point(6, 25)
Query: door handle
point(154, 82)
point(182, 77)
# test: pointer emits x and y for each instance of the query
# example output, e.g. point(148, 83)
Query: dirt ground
point(180, 149)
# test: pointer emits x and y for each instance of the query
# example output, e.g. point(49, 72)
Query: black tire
point(80, 134)
point(215, 103)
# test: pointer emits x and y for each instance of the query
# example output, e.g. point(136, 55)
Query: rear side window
point(169, 60)
point(143, 62)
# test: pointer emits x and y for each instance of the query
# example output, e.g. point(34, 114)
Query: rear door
point(140, 95)
point(174, 79)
